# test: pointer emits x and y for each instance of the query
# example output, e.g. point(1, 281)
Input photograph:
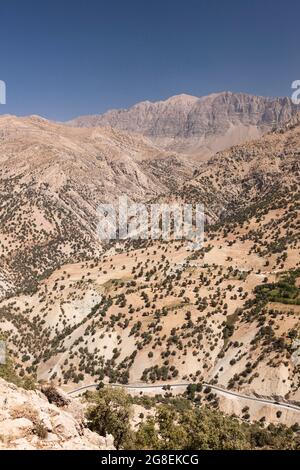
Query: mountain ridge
point(152, 310)
point(198, 126)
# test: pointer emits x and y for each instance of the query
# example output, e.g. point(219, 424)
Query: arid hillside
point(155, 312)
point(52, 179)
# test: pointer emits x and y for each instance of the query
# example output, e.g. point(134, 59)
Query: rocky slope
point(245, 178)
point(29, 422)
point(155, 311)
point(198, 126)
point(52, 179)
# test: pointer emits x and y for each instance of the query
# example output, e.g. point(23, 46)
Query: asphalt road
point(240, 396)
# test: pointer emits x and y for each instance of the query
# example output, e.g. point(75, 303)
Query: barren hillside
point(153, 312)
point(52, 179)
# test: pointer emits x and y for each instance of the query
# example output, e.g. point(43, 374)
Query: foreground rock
point(28, 421)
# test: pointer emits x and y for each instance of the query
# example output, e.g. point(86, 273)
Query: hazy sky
point(70, 57)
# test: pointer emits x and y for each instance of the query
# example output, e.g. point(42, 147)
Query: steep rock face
point(28, 422)
point(198, 126)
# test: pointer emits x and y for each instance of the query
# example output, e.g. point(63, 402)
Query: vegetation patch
point(284, 291)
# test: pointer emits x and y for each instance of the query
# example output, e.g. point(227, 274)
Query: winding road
point(145, 387)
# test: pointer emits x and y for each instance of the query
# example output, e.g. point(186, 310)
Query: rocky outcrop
point(28, 421)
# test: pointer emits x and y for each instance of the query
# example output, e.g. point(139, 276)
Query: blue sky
point(70, 57)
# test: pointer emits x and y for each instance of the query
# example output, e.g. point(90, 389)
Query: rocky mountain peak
point(199, 126)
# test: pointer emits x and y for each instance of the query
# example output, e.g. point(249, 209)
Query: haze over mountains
point(198, 126)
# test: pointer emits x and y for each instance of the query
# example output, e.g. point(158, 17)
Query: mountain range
point(76, 312)
point(198, 126)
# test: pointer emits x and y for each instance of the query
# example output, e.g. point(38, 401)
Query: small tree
point(111, 414)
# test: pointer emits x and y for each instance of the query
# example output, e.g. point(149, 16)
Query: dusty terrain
point(52, 179)
point(76, 312)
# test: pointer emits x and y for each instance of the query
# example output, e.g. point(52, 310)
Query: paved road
point(256, 399)
point(223, 391)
